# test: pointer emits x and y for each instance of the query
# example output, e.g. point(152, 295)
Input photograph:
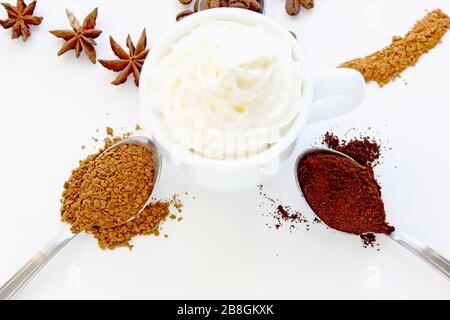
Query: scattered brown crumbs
point(166, 236)
point(138, 127)
point(109, 131)
point(387, 64)
point(83, 147)
point(173, 217)
point(179, 219)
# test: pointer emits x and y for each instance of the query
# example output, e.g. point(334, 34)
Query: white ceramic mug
point(332, 93)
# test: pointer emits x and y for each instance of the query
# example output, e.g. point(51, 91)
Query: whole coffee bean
point(242, 4)
point(196, 5)
point(214, 4)
point(308, 4)
point(255, 5)
point(184, 14)
point(292, 7)
point(205, 4)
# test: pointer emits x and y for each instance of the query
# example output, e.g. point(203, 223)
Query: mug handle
point(336, 92)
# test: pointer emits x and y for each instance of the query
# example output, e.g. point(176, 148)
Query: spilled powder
point(387, 64)
point(147, 223)
point(281, 214)
point(364, 150)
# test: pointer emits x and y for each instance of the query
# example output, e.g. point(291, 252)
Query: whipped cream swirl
point(227, 89)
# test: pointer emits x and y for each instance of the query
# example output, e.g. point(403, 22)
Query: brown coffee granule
point(109, 131)
point(146, 223)
point(387, 64)
point(110, 189)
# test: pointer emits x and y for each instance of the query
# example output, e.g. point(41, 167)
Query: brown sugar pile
point(104, 193)
point(387, 64)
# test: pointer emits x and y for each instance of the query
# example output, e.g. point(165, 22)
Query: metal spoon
point(261, 2)
point(430, 256)
point(18, 282)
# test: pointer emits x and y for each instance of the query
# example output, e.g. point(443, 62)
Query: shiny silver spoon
point(430, 256)
point(261, 2)
point(17, 282)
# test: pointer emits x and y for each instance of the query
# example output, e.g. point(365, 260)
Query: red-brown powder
point(364, 150)
point(344, 194)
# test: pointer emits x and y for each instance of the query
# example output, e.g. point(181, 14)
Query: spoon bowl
point(424, 252)
point(22, 277)
point(148, 144)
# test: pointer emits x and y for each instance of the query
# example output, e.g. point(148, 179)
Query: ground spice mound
point(387, 64)
point(108, 190)
point(344, 194)
point(364, 150)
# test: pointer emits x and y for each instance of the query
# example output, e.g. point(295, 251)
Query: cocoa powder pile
point(105, 192)
point(344, 194)
point(387, 64)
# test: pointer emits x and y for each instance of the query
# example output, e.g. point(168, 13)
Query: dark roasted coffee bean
point(196, 5)
point(184, 14)
point(308, 4)
point(292, 7)
point(214, 4)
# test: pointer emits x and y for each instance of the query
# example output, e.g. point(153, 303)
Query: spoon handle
point(17, 282)
point(433, 258)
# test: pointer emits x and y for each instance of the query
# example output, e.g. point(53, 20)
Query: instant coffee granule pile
point(104, 193)
point(387, 64)
point(108, 190)
point(147, 223)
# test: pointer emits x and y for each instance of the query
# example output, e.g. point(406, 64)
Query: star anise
point(129, 62)
point(20, 18)
point(81, 38)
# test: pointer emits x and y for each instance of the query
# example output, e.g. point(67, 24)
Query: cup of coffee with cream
point(226, 93)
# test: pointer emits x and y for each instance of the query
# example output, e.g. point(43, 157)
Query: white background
point(51, 106)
